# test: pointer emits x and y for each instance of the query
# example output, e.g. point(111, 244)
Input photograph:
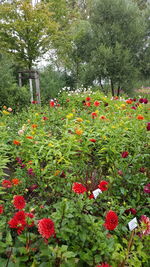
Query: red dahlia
point(18, 222)
point(6, 184)
point(124, 154)
point(19, 202)
point(96, 103)
point(46, 227)
point(79, 188)
point(103, 186)
point(111, 220)
point(1, 209)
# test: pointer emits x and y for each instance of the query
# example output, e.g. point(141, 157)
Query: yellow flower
point(51, 145)
point(123, 106)
point(79, 119)
point(32, 132)
point(113, 127)
point(36, 114)
point(69, 116)
point(5, 112)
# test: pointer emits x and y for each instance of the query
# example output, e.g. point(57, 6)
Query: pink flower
point(145, 224)
point(147, 188)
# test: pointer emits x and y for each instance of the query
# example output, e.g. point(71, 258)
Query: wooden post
point(37, 85)
point(31, 90)
point(20, 81)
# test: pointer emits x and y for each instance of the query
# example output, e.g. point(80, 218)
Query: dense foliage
point(73, 175)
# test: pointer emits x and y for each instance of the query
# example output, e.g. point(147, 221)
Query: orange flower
point(34, 126)
point(16, 142)
point(129, 101)
point(29, 137)
point(78, 131)
point(15, 181)
point(140, 117)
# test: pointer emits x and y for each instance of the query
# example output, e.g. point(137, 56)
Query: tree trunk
point(112, 87)
point(118, 90)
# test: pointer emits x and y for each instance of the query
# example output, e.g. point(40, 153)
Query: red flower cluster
point(145, 224)
point(111, 220)
point(6, 184)
point(79, 188)
point(46, 228)
point(103, 186)
point(19, 202)
point(124, 154)
point(1, 209)
point(20, 221)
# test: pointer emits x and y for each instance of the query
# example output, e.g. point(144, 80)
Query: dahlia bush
point(74, 180)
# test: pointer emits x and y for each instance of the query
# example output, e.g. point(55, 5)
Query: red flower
point(79, 188)
point(104, 265)
point(88, 98)
point(18, 222)
point(91, 196)
point(96, 103)
point(103, 186)
point(52, 103)
point(93, 114)
point(140, 117)
point(111, 220)
point(145, 100)
point(88, 104)
point(16, 142)
point(148, 126)
point(124, 154)
point(45, 118)
point(131, 210)
point(6, 184)
point(46, 228)
point(141, 100)
point(19, 202)
point(1, 209)
point(92, 140)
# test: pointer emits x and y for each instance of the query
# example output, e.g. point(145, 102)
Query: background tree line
point(103, 42)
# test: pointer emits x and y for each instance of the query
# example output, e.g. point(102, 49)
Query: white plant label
point(133, 224)
point(96, 193)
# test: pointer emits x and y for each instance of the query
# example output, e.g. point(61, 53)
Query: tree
point(118, 31)
point(27, 32)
